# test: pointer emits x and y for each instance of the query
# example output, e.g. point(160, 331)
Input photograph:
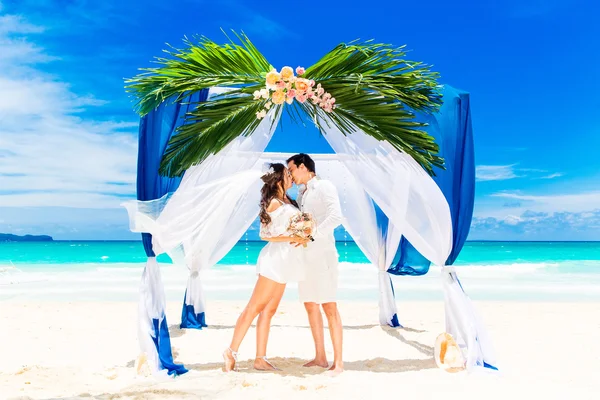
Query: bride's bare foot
point(317, 363)
point(335, 370)
point(263, 364)
point(230, 358)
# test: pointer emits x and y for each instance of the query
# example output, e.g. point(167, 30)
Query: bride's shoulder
point(273, 205)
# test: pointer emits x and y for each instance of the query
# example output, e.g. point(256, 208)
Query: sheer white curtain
point(204, 218)
point(378, 243)
point(464, 323)
point(398, 184)
point(418, 210)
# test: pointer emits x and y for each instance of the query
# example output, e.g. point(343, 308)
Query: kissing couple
point(311, 260)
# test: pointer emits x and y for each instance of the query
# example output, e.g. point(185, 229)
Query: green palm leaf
point(212, 125)
point(200, 66)
point(378, 91)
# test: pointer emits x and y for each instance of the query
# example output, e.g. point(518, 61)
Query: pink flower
point(300, 70)
point(320, 90)
point(280, 84)
point(291, 93)
point(301, 97)
point(311, 83)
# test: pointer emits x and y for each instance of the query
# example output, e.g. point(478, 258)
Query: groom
point(320, 199)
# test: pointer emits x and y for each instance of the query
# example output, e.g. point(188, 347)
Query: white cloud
point(505, 172)
point(16, 24)
point(552, 176)
point(569, 202)
point(531, 225)
point(49, 153)
point(495, 172)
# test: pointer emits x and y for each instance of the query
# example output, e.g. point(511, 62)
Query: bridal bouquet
point(302, 225)
point(285, 87)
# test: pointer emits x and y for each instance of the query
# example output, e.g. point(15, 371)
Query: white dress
point(280, 261)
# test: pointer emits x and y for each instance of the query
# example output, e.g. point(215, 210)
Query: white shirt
point(320, 199)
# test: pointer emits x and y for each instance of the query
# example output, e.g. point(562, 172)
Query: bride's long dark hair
point(274, 185)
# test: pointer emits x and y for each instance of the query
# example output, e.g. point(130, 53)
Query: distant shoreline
point(8, 237)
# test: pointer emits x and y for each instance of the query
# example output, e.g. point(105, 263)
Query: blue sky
point(68, 132)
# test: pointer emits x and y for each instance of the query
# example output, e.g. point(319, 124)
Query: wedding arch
point(208, 114)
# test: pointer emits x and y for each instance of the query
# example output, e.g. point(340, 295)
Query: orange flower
point(301, 85)
point(272, 78)
point(278, 97)
point(287, 73)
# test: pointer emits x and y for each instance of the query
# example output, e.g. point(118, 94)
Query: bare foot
point(230, 358)
point(262, 364)
point(335, 370)
point(317, 363)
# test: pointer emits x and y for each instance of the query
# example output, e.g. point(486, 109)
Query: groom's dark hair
point(303, 159)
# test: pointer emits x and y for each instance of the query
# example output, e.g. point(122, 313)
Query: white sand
point(85, 349)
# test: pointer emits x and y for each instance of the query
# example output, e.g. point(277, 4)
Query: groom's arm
point(333, 216)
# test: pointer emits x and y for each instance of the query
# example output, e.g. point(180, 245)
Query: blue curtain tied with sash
point(156, 129)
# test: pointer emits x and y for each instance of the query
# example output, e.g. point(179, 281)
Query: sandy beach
point(88, 350)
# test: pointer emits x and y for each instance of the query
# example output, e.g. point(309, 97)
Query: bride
point(278, 263)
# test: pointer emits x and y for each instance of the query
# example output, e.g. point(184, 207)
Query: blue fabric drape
point(451, 127)
point(190, 319)
point(156, 129)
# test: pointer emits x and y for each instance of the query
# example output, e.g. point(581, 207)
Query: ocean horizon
point(111, 270)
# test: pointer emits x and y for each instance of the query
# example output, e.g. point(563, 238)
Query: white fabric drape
point(464, 323)
point(151, 306)
point(216, 202)
point(417, 207)
point(397, 183)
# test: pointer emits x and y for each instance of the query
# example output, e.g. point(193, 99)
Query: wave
point(120, 281)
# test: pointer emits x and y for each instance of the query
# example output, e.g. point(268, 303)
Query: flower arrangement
point(286, 87)
point(302, 225)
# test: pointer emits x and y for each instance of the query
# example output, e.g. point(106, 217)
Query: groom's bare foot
point(335, 370)
point(262, 364)
point(317, 363)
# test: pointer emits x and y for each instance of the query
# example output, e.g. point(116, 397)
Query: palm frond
point(381, 68)
point(200, 65)
point(378, 91)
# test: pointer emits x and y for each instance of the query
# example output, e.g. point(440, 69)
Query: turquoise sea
point(78, 270)
point(30, 255)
